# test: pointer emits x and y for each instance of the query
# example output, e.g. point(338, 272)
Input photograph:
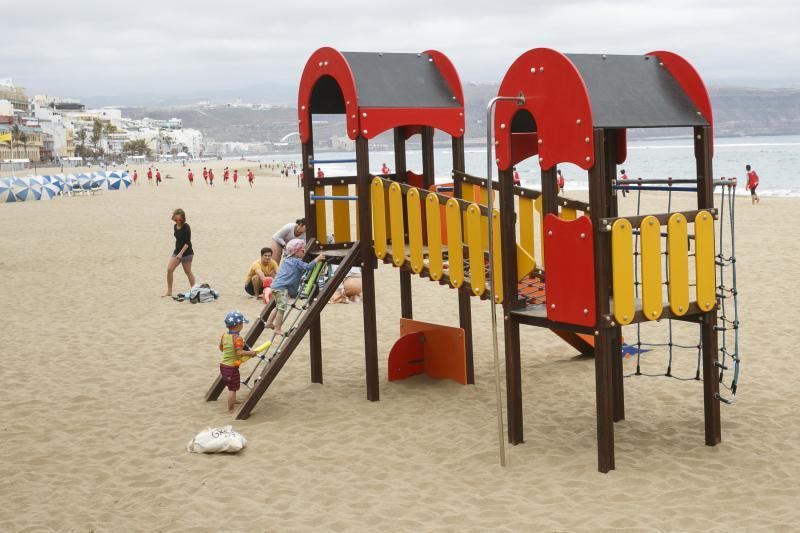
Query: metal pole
point(489, 164)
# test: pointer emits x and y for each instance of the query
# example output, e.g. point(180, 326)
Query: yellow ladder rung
point(378, 217)
point(705, 269)
point(650, 234)
point(678, 248)
point(433, 225)
point(397, 229)
point(622, 271)
point(414, 218)
point(477, 275)
point(455, 253)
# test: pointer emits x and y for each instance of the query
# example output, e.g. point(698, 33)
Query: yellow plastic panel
point(537, 205)
point(378, 217)
point(567, 213)
point(414, 208)
point(525, 263)
point(622, 270)
point(477, 275)
point(322, 225)
point(526, 240)
point(704, 260)
point(678, 248)
point(498, 257)
point(397, 229)
point(652, 303)
point(433, 223)
point(341, 214)
point(455, 253)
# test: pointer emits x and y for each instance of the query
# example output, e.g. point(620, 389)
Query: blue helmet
point(234, 318)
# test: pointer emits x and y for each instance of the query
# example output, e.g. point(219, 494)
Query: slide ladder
point(308, 309)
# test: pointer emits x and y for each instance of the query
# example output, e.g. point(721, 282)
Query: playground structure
point(573, 269)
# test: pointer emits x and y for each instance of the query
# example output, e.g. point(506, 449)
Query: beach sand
point(104, 383)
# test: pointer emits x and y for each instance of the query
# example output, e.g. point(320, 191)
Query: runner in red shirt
point(158, 177)
point(625, 187)
point(560, 181)
point(320, 173)
point(385, 170)
point(225, 175)
point(236, 178)
point(250, 177)
point(191, 178)
point(135, 178)
point(205, 175)
point(150, 176)
point(517, 180)
point(752, 184)
point(210, 177)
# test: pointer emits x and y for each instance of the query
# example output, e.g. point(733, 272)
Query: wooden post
point(549, 192)
point(703, 141)
point(508, 250)
point(599, 197)
point(315, 331)
point(368, 265)
point(617, 385)
point(464, 297)
point(428, 176)
point(406, 301)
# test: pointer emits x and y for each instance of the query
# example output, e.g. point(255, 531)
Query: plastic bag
point(217, 440)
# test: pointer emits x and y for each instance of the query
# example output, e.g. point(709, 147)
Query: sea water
point(775, 159)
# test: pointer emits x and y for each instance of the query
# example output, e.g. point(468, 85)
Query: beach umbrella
point(6, 196)
point(34, 181)
point(57, 181)
point(126, 179)
point(99, 179)
point(114, 183)
point(84, 181)
point(50, 190)
point(24, 191)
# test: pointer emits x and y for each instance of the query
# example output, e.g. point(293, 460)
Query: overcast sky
point(122, 50)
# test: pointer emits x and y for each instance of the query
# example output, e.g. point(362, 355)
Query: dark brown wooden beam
point(464, 296)
point(428, 170)
point(315, 332)
point(617, 384)
point(406, 297)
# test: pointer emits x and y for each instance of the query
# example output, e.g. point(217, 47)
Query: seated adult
point(292, 230)
point(350, 289)
point(261, 273)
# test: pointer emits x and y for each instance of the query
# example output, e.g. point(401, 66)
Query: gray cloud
point(201, 47)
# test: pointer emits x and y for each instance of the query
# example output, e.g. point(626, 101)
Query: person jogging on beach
point(320, 173)
point(250, 177)
point(205, 175)
point(210, 177)
point(560, 181)
point(225, 176)
point(624, 177)
point(516, 178)
point(191, 178)
point(150, 176)
point(752, 184)
point(236, 178)
point(135, 177)
point(158, 177)
point(385, 170)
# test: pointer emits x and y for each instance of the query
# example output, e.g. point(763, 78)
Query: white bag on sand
point(217, 440)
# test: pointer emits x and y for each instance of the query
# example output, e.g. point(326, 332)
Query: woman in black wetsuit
point(183, 253)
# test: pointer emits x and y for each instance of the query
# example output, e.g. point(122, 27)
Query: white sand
point(103, 385)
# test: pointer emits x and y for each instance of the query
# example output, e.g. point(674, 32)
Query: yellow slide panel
point(341, 215)
point(651, 268)
point(397, 229)
point(525, 263)
point(433, 222)
point(567, 213)
point(378, 217)
point(455, 253)
point(477, 275)
point(622, 270)
point(322, 225)
point(498, 257)
point(704, 260)
point(526, 240)
point(415, 230)
point(678, 249)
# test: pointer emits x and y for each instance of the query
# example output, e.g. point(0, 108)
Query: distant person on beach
point(560, 181)
point(624, 177)
point(287, 283)
point(292, 230)
point(320, 173)
point(135, 177)
point(225, 176)
point(211, 177)
point(752, 184)
point(205, 175)
point(385, 170)
point(191, 178)
point(183, 252)
point(260, 273)
point(158, 177)
point(250, 177)
point(231, 344)
point(150, 176)
point(350, 289)
point(300, 179)
point(236, 179)
point(515, 178)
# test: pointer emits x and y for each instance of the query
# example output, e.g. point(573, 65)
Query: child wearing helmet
point(231, 344)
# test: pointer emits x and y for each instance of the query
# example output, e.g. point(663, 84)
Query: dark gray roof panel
point(633, 92)
point(398, 80)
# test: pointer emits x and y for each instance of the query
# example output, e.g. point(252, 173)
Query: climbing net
point(682, 335)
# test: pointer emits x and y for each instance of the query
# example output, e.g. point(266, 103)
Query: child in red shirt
point(752, 184)
point(250, 177)
point(236, 178)
point(191, 178)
